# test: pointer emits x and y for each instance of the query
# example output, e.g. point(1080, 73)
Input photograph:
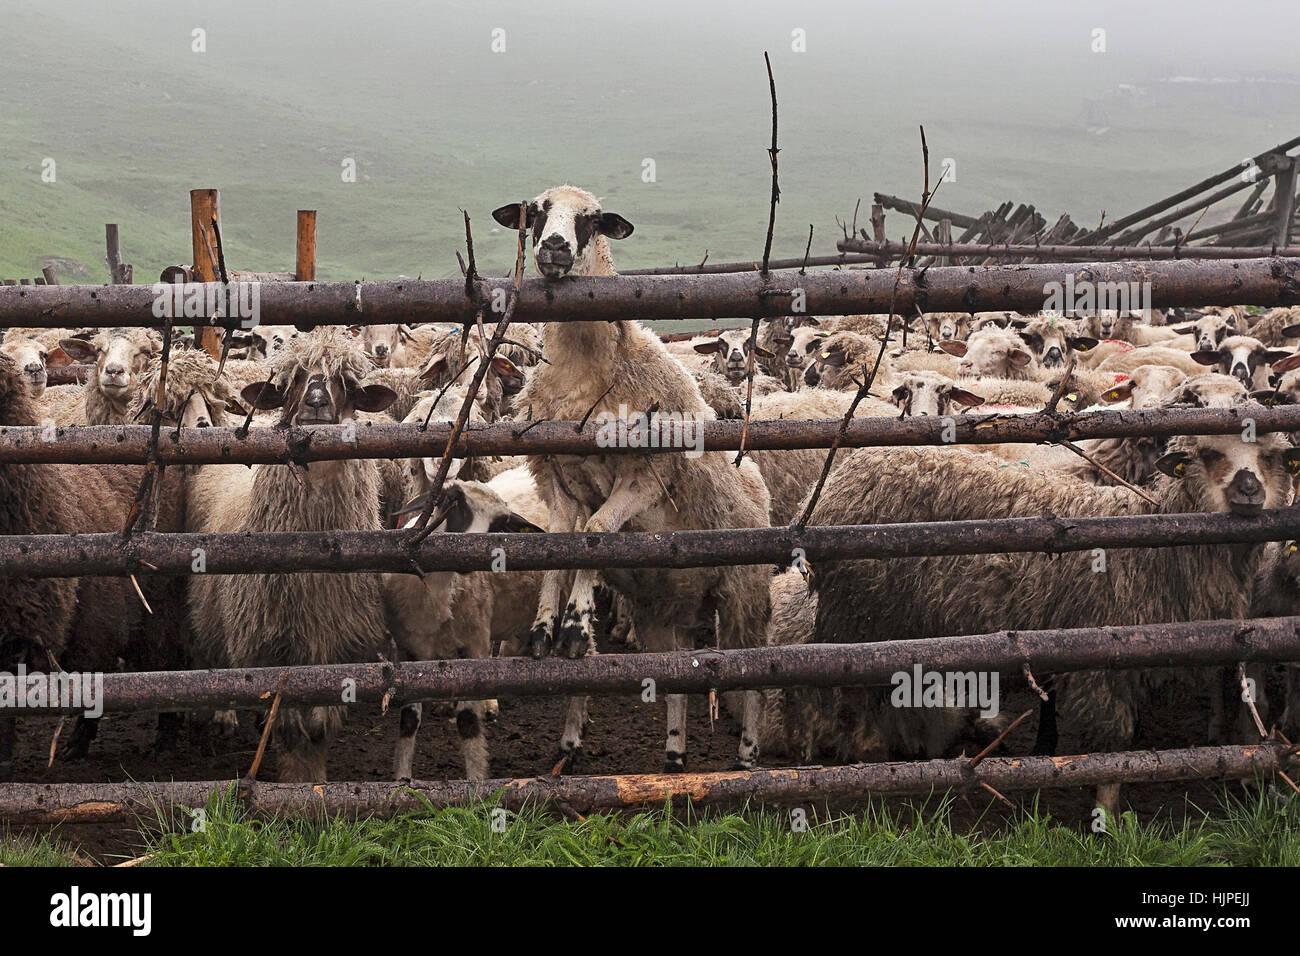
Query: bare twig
point(266, 729)
point(1071, 446)
point(974, 762)
point(1249, 697)
point(1033, 684)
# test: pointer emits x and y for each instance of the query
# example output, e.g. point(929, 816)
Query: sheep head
point(730, 351)
point(929, 393)
point(30, 357)
point(193, 397)
point(1224, 473)
point(318, 379)
point(120, 357)
point(569, 231)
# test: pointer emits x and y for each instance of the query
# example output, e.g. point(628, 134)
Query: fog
point(662, 109)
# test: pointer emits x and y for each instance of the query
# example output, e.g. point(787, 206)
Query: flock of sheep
point(951, 364)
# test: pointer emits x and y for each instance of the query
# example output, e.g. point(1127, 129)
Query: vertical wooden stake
point(305, 269)
point(50, 277)
point(1285, 185)
point(205, 205)
point(878, 231)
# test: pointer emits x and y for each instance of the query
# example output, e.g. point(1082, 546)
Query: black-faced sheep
point(1245, 358)
point(611, 369)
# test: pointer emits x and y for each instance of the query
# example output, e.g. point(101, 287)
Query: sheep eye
point(1209, 456)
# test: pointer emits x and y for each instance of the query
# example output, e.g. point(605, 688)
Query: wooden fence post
point(305, 269)
point(1285, 180)
point(205, 206)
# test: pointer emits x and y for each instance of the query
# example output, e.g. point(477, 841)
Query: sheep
point(30, 356)
point(384, 344)
point(948, 326)
point(1019, 393)
point(1102, 351)
point(1123, 324)
point(1052, 341)
point(119, 356)
point(1146, 386)
point(447, 614)
point(1245, 358)
point(789, 473)
point(730, 350)
point(993, 352)
point(1207, 390)
point(1127, 361)
point(841, 358)
point(895, 598)
point(919, 360)
point(1207, 332)
point(929, 393)
point(281, 619)
point(1277, 594)
point(1276, 328)
point(805, 342)
point(603, 366)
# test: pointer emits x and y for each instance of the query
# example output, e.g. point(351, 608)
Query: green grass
point(1260, 830)
point(27, 849)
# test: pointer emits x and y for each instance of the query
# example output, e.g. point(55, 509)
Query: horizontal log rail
point(871, 250)
point(76, 803)
point(128, 444)
point(152, 553)
point(682, 672)
point(1019, 287)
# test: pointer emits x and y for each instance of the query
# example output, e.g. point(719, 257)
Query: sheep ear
point(263, 395)
point(1018, 358)
point(1082, 343)
point(373, 398)
point(1266, 396)
point(513, 524)
point(1119, 393)
point(1017, 323)
point(1205, 358)
point(1174, 464)
point(954, 348)
point(834, 358)
point(763, 352)
point(434, 368)
point(58, 358)
point(79, 349)
point(506, 368)
point(508, 216)
point(1292, 459)
point(404, 333)
point(1291, 332)
point(235, 408)
point(614, 226)
point(1281, 360)
point(963, 397)
point(899, 395)
point(1186, 329)
point(709, 347)
point(806, 320)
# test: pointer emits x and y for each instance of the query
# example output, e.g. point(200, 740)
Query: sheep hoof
point(745, 765)
point(569, 761)
point(572, 643)
point(539, 642)
point(675, 763)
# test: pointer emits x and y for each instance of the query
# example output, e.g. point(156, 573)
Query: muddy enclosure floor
point(624, 735)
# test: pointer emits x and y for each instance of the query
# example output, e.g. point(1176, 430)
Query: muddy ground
point(624, 736)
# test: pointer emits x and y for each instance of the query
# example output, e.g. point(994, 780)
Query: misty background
point(586, 92)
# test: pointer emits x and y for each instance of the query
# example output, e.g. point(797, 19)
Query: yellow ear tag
point(1072, 397)
point(1180, 468)
point(1292, 549)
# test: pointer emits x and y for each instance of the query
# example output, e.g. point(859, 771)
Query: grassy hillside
point(437, 122)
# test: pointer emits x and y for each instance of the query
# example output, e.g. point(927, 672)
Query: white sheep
point(611, 369)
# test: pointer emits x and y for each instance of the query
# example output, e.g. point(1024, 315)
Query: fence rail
point(75, 803)
point(128, 444)
point(50, 555)
point(684, 672)
point(1263, 282)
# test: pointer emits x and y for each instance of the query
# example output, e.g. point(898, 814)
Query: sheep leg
point(675, 748)
point(8, 732)
point(747, 758)
point(1108, 800)
point(574, 721)
point(83, 733)
point(630, 495)
point(473, 745)
point(405, 754)
point(564, 517)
